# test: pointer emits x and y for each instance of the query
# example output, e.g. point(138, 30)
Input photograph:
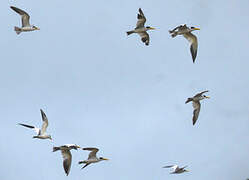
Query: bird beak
point(197, 29)
point(208, 97)
point(187, 170)
point(37, 28)
point(105, 159)
point(152, 28)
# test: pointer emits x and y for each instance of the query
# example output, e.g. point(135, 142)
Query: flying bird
point(140, 29)
point(25, 21)
point(186, 32)
point(196, 104)
point(66, 154)
point(92, 158)
point(41, 133)
point(176, 169)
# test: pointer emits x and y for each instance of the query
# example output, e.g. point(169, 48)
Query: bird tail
point(129, 32)
point(18, 30)
point(55, 149)
point(188, 100)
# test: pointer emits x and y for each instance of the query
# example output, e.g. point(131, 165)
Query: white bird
point(176, 169)
point(196, 104)
point(92, 158)
point(41, 133)
point(140, 29)
point(66, 154)
point(186, 32)
point(25, 21)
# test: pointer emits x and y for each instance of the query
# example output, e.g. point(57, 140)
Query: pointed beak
point(37, 28)
point(208, 97)
point(187, 170)
point(152, 28)
point(105, 159)
point(197, 29)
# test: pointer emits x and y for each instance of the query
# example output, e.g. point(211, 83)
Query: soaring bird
point(41, 133)
point(25, 21)
point(92, 158)
point(66, 154)
point(186, 32)
point(140, 29)
point(196, 104)
point(176, 169)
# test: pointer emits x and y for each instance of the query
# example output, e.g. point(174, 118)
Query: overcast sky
point(102, 88)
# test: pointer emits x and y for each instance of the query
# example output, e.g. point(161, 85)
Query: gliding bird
point(186, 32)
point(25, 21)
point(176, 169)
point(196, 104)
point(92, 158)
point(140, 29)
point(41, 133)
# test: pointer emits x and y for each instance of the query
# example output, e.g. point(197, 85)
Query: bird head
point(207, 97)
point(194, 28)
point(102, 159)
point(150, 28)
point(36, 28)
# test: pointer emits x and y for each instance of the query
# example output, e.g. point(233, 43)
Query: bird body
point(196, 104)
point(66, 154)
point(186, 32)
point(141, 29)
point(26, 27)
point(41, 133)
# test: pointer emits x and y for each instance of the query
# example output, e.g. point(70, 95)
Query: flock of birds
point(142, 31)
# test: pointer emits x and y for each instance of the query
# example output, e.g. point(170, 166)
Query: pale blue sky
point(101, 88)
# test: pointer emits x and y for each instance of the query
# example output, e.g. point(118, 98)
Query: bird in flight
point(25, 21)
point(141, 29)
point(177, 169)
point(92, 158)
point(196, 104)
point(186, 32)
point(41, 133)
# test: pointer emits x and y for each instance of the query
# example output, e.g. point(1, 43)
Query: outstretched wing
point(37, 130)
point(199, 94)
point(140, 19)
point(93, 152)
point(174, 167)
point(145, 38)
point(67, 160)
point(25, 16)
point(197, 108)
point(193, 44)
point(45, 122)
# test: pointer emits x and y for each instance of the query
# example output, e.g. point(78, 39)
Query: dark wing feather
point(25, 125)
point(140, 19)
point(25, 16)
